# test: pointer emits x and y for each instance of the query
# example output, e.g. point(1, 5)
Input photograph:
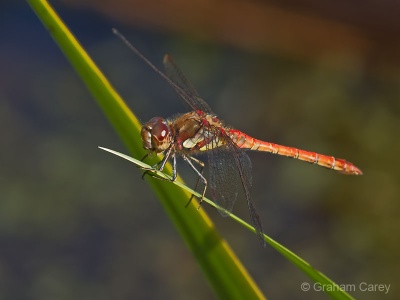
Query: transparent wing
point(231, 171)
point(174, 77)
point(224, 179)
point(186, 89)
point(243, 165)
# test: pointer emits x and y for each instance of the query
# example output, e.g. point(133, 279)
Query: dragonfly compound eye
point(160, 131)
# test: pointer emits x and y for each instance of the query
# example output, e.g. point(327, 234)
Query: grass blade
point(331, 288)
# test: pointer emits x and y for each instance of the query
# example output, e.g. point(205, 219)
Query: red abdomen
point(245, 141)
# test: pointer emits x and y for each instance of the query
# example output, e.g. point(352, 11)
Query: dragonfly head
point(156, 135)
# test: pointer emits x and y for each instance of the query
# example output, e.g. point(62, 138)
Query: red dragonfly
point(200, 131)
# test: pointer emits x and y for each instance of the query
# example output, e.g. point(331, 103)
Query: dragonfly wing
point(224, 179)
point(230, 168)
point(227, 174)
point(183, 86)
point(243, 164)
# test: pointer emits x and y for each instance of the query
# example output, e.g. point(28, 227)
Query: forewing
point(185, 88)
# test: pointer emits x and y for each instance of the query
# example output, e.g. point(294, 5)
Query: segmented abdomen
point(245, 141)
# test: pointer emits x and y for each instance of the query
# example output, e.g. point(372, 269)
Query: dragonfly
point(201, 131)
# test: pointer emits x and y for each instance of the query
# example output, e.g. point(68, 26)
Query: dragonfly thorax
point(156, 135)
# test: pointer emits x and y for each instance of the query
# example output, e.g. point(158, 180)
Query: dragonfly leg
point(173, 167)
point(189, 160)
point(201, 164)
point(161, 165)
point(146, 169)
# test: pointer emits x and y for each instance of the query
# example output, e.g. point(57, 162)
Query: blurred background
point(76, 222)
